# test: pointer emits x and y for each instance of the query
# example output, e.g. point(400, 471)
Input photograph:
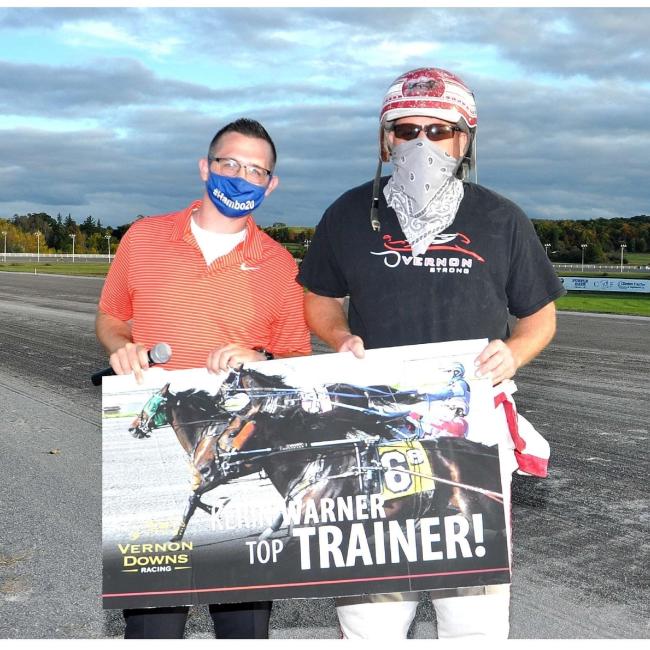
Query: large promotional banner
point(300, 478)
point(605, 284)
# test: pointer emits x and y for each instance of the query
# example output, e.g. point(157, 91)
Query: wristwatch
point(266, 353)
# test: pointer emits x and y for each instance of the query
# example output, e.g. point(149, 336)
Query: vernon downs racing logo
point(155, 558)
point(437, 258)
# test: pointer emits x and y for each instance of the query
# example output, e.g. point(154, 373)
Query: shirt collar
point(252, 246)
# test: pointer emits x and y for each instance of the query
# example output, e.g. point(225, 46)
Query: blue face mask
point(234, 196)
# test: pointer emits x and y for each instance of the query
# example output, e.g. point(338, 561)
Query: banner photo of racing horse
point(300, 478)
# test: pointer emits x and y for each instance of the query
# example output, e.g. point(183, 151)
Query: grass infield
point(616, 303)
point(640, 259)
point(98, 269)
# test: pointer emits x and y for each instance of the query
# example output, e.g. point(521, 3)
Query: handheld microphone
point(159, 353)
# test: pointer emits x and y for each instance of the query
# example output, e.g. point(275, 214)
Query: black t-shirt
point(487, 264)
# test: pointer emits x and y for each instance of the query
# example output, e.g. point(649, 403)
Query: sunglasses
point(434, 132)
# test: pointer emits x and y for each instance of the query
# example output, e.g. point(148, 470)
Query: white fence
point(599, 267)
point(56, 257)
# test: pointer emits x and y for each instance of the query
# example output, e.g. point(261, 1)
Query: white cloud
point(100, 34)
point(391, 52)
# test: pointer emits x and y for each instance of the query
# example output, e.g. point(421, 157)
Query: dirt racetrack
point(580, 536)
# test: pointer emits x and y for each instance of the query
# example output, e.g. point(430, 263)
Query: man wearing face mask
point(426, 256)
point(220, 292)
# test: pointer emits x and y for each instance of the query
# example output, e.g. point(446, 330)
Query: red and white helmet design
point(427, 91)
point(430, 91)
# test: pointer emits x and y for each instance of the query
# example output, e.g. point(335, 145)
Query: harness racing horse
point(350, 448)
point(355, 446)
point(197, 419)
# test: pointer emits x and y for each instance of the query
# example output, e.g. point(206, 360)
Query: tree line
point(564, 238)
point(603, 238)
point(35, 231)
point(90, 235)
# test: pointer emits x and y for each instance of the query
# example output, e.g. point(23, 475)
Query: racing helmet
point(433, 92)
point(457, 369)
point(427, 91)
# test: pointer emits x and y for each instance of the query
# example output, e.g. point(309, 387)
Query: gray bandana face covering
point(423, 191)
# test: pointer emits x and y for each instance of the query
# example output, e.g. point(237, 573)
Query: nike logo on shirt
point(245, 267)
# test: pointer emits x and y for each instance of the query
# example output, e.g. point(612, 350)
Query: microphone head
point(160, 353)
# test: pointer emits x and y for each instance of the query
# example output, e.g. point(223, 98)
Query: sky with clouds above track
point(106, 111)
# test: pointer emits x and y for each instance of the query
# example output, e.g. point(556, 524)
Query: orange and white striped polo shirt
point(160, 282)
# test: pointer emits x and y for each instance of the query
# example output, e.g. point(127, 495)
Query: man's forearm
point(111, 332)
point(327, 319)
point(532, 334)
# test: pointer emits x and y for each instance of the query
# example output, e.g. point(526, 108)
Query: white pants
point(389, 616)
point(478, 612)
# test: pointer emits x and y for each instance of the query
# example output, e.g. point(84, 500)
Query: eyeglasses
point(434, 132)
point(231, 167)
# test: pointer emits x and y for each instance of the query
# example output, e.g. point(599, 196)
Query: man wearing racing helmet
point(442, 259)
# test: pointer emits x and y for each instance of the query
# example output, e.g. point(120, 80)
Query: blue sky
point(106, 111)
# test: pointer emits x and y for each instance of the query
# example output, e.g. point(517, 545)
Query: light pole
point(108, 241)
point(583, 246)
point(38, 247)
point(4, 232)
point(547, 246)
point(73, 237)
point(623, 247)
